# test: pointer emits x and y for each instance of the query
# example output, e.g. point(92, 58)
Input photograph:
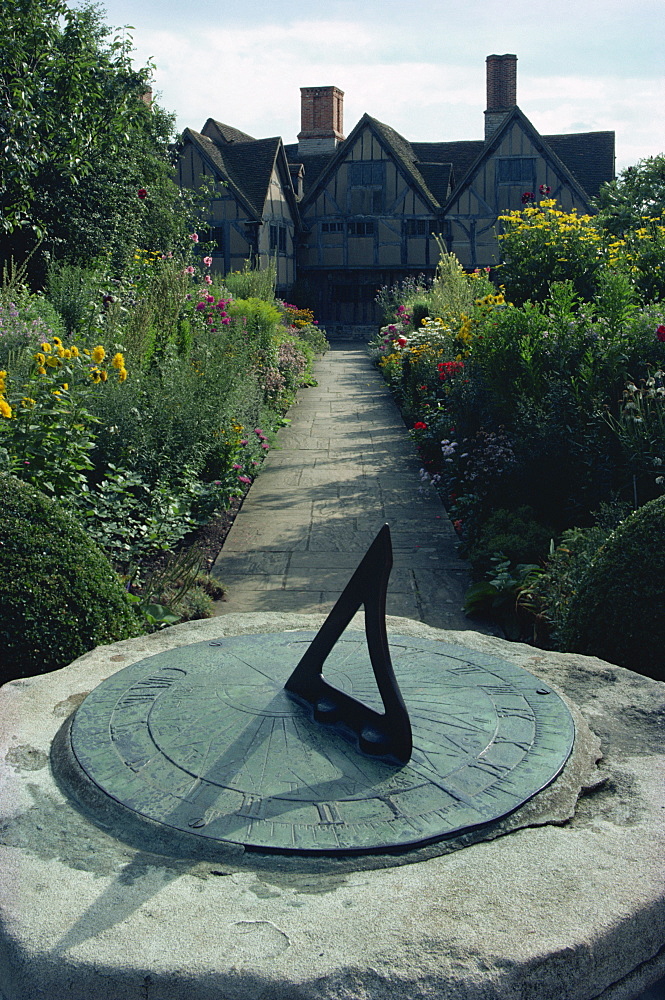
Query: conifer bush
point(59, 596)
point(618, 613)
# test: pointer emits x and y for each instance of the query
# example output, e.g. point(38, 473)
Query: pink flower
point(210, 298)
point(194, 237)
point(244, 441)
point(200, 306)
point(265, 445)
point(244, 479)
point(189, 270)
point(236, 466)
point(207, 261)
point(207, 279)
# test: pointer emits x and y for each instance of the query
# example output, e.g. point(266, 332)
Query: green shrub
point(515, 534)
point(59, 597)
point(548, 594)
point(252, 281)
point(618, 612)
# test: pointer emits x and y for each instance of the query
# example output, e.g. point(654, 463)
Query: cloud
point(250, 78)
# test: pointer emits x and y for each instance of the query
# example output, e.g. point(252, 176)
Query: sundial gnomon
point(208, 740)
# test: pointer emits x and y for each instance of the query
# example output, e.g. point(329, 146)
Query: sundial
point(335, 742)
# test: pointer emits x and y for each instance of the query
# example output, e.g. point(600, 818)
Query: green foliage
point(541, 244)
point(497, 596)
point(86, 163)
point(75, 292)
point(618, 611)
point(637, 195)
point(46, 425)
point(253, 281)
point(315, 338)
point(640, 429)
point(515, 535)
point(59, 597)
point(548, 593)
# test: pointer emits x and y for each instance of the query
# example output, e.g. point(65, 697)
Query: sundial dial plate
point(203, 739)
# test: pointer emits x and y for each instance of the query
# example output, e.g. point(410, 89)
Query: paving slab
point(343, 467)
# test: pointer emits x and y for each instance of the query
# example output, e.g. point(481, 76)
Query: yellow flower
point(75, 351)
point(46, 348)
point(5, 408)
point(41, 358)
point(98, 354)
point(103, 375)
point(118, 361)
point(53, 362)
point(61, 352)
point(122, 375)
point(28, 403)
point(65, 386)
point(41, 370)
point(57, 341)
point(66, 354)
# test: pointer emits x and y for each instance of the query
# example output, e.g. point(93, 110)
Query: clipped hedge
point(59, 596)
point(618, 612)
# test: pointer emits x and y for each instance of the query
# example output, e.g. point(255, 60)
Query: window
point(366, 173)
point(418, 227)
point(217, 239)
point(332, 227)
point(360, 228)
point(366, 181)
point(516, 170)
point(278, 238)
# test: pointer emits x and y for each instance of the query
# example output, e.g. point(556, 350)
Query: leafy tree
point(635, 197)
point(85, 155)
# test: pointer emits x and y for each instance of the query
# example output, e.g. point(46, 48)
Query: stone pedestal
point(572, 909)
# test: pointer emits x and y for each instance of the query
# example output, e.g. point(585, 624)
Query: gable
point(515, 161)
point(373, 172)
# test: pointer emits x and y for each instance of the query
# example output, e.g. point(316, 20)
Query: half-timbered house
point(372, 209)
point(253, 208)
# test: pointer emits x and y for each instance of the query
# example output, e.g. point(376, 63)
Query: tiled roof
point(588, 155)
point(251, 164)
point(460, 154)
point(246, 166)
point(314, 165)
point(227, 132)
point(438, 177)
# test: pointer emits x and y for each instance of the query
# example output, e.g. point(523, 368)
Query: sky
point(416, 65)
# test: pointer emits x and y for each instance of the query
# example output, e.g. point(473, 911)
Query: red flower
point(544, 189)
point(142, 193)
point(660, 333)
point(448, 368)
point(527, 197)
point(419, 426)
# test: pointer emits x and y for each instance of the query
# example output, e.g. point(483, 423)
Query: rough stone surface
point(571, 910)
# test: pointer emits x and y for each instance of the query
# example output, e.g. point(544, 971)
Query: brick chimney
point(501, 91)
point(321, 120)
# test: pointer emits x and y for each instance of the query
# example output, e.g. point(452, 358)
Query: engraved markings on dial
point(206, 740)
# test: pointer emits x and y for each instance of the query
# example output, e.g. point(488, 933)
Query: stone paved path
point(345, 466)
